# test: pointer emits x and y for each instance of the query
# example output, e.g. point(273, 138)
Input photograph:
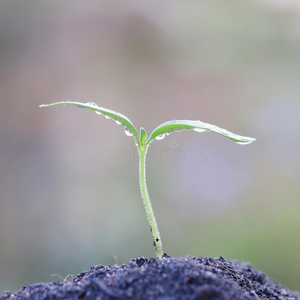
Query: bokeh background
point(69, 194)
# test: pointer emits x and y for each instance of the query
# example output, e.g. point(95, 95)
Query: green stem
point(147, 204)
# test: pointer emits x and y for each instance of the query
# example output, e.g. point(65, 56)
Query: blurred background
point(69, 194)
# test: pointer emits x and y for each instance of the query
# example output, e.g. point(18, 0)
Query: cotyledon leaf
point(110, 114)
point(178, 125)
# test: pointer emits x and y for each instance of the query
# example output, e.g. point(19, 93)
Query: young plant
point(142, 142)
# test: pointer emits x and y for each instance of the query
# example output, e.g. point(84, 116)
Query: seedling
point(142, 142)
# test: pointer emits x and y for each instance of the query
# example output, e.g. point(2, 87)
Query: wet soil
point(167, 278)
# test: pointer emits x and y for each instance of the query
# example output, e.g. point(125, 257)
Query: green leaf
point(111, 114)
point(143, 135)
point(178, 125)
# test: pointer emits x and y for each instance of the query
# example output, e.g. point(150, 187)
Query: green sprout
point(142, 142)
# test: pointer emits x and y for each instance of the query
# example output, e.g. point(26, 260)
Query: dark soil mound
point(167, 278)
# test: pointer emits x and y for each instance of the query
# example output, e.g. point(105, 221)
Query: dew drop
point(168, 133)
point(108, 117)
point(160, 137)
point(127, 131)
point(199, 129)
point(92, 104)
point(117, 122)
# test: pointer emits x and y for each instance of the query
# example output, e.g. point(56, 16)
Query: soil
point(167, 278)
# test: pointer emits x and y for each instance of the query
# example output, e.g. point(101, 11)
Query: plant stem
point(147, 204)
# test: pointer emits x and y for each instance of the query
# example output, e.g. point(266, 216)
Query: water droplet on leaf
point(199, 129)
point(160, 137)
point(118, 122)
point(108, 117)
point(127, 131)
point(92, 104)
